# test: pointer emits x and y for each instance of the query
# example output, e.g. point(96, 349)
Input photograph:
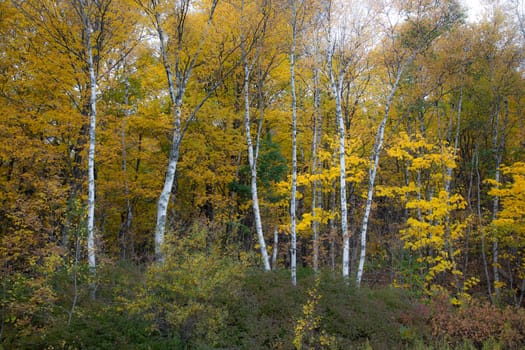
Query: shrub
point(478, 322)
point(186, 296)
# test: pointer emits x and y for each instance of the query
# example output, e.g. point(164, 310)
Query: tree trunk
point(480, 224)
point(342, 184)
point(164, 198)
point(176, 100)
point(252, 159)
point(293, 248)
point(498, 147)
point(376, 152)
point(91, 161)
point(176, 86)
point(336, 85)
point(88, 30)
point(316, 190)
point(128, 217)
point(275, 250)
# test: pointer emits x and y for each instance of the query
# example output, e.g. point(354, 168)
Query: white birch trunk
point(342, 182)
point(176, 87)
point(164, 198)
point(293, 248)
point(88, 30)
point(252, 159)
point(91, 162)
point(275, 250)
point(316, 192)
point(336, 85)
point(376, 152)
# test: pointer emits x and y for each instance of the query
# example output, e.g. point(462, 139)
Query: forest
point(262, 174)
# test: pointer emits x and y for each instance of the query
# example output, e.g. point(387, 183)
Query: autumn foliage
point(407, 166)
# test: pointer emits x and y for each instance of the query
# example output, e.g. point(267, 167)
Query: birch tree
point(86, 36)
point(293, 252)
point(316, 145)
point(249, 41)
point(425, 22)
point(179, 59)
point(497, 62)
point(84, 9)
point(347, 38)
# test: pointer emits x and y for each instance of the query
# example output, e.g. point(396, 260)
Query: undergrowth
point(199, 301)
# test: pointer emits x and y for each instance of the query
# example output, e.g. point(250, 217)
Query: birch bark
point(252, 155)
point(177, 84)
point(275, 249)
point(83, 8)
point(316, 191)
point(347, 52)
point(374, 160)
point(91, 152)
point(252, 160)
point(293, 248)
point(336, 85)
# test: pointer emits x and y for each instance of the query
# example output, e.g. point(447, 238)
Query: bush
point(268, 311)
point(186, 296)
point(478, 322)
point(382, 318)
point(105, 329)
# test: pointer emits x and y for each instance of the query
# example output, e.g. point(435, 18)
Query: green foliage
point(263, 314)
point(241, 189)
point(100, 324)
point(271, 169)
point(270, 313)
point(105, 328)
point(429, 20)
point(271, 165)
point(232, 307)
point(185, 296)
point(410, 275)
point(355, 316)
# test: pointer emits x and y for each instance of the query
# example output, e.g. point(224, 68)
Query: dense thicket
point(408, 146)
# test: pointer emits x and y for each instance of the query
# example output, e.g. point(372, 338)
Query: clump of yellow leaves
point(509, 226)
point(432, 231)
point(512, 195)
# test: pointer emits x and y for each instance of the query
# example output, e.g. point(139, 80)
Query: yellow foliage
point(319, 215)
point(509, 226)
point(431, 230)
point(307, 325)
